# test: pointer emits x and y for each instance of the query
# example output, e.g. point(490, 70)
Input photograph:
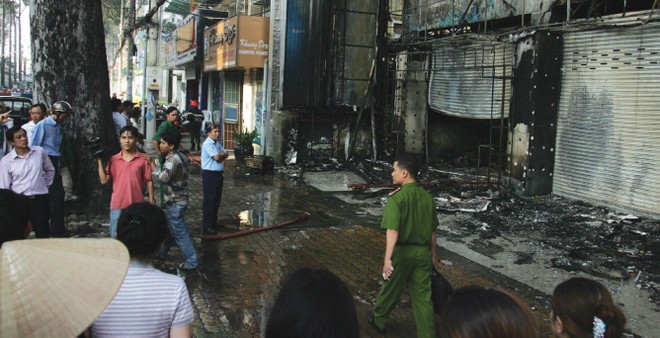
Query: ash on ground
point(580, 237)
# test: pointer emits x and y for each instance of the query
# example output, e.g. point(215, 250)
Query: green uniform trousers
point(412, 267)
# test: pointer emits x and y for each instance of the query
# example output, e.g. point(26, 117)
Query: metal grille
point(469, 81)
point(608, 144)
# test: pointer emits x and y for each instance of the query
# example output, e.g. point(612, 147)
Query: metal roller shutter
point(608, 139)
point(466, 78)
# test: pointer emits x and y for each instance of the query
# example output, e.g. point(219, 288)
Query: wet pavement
point(239, 277)
point(523, 245)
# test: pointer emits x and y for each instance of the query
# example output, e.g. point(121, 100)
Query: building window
point(232, 106)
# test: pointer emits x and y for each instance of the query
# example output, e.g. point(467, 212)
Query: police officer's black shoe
point(210, 231)
point(370, 319)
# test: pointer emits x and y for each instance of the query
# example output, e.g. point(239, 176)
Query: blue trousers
point(212, 182)
point(179, 234)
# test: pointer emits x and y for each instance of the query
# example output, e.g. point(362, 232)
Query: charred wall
point(423, 15)
point(452, 139)
point(323, 76)
point(533, 111)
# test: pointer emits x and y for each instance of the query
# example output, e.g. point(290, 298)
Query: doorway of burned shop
point(450, 104)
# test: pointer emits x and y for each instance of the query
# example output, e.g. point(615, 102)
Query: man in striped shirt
point(150, 303)
point(173, 173)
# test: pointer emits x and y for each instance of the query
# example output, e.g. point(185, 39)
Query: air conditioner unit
point(260, 2)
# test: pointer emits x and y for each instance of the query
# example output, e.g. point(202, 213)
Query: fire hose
point(302, 217)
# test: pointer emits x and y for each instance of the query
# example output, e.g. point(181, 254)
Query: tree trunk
point(69, 64)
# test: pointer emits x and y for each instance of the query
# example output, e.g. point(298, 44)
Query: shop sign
point(238, 42)
point(186, 40)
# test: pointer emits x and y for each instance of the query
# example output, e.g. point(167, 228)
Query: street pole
point(147, 115)
point(17, 44)
point(120, 37)
point(2, 51)
point(20, 54)
point(150, 59)
point(129, 52)
point(10, 69)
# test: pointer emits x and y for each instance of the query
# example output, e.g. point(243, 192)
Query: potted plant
point(243, 146)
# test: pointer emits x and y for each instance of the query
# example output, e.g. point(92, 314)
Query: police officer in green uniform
point(410, 219)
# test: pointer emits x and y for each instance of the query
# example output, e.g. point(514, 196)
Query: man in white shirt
point(37, 113)
point(117, 117)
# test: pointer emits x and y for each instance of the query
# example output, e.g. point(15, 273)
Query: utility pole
point(149, 97)
point(10, 69)
point(19, 57)
point(17, 44)
point(2, 51)
point(116, 79)
point(130, 20)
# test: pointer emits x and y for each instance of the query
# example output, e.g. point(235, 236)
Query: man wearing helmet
point(193, 119)
point(48, 135)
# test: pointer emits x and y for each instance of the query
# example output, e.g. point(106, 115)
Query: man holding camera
point(129, 171)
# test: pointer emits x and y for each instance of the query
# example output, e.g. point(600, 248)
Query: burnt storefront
point(608, 146)
point(324, 71)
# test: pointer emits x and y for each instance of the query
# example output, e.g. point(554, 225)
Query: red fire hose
point(302, 217)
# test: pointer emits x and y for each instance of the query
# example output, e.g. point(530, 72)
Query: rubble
point(590, 239)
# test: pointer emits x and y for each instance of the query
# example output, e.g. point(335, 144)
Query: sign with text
point(238, 42)
point(186, 40)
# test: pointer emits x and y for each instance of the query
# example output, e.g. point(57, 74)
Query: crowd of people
point(311, 302)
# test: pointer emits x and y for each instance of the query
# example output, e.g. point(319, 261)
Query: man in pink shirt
point(129, 170)
point(28, 172)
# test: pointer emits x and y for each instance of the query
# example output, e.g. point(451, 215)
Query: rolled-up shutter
point(468, 80)
point(608, 130)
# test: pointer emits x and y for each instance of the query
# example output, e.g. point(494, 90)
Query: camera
point(96, 148)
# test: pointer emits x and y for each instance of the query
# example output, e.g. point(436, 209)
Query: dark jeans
point(194, 137)
point(212, 182)
point(38, 213)
point(56, 192)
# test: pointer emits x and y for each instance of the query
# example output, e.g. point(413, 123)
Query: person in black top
point(193, 119)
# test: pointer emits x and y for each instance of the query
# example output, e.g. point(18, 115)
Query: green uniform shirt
point(164, 127)
point(410, 210)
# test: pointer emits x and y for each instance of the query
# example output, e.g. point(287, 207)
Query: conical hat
point(57, 287)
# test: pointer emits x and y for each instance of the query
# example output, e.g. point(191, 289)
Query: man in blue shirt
point(48, 135)
point(213, 154)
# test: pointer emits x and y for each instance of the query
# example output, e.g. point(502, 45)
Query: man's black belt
point(214, 171)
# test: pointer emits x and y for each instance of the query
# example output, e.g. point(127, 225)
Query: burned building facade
point(565, 95)
point(553, 97)
point(323, 65)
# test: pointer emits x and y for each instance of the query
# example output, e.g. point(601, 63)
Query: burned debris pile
point(580, 236)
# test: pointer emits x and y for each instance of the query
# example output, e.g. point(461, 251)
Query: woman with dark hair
point(313, 303)
point(582, 307)
point(481, 312)
point(169, 125)
point(150, 303)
